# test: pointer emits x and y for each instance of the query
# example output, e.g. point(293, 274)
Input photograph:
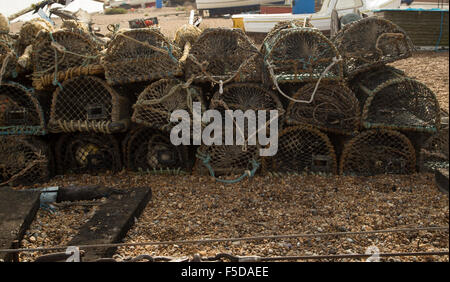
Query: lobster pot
point(29, 31)
point(390, 100)
point(87, 153)
point(87, 103)
point(223, 54)
point(156, 103)
point(333, 107)
point(301, 55)
point(297, 23)
point(75, 25)
point(142, 54)
point(434, 153)
point(63, 54)
point(371, 42)
point(8, 61)
point(20, 111)
point(23, 161)
point(378, 151)
point(148, 149)
point(303, 149)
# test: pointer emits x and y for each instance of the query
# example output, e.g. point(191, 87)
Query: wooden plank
point(17, 211)
point(111, 222)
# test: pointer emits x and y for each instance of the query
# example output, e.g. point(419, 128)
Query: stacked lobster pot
point(306, 71)
point(397, 112)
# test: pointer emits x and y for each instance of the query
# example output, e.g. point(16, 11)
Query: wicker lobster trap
point(63, 54)
point(142, 54)
point(222, 55)
point(333, 107)
point(29, 31)
point(148, 149)
point(87, 103)
point(24, 161)
point(20, 111)
point(157, 102)
point(303, 149)
point(301, 55)
point(87, 153)
point(371, 42)
point(391, 100)
point(434, 153)
point(378, 151)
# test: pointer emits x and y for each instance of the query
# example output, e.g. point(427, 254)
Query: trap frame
point(87, 103)
point(157, 102)
point(302, 149)
point(20, 111)
point(142, 54)
point(378, 151)
point(24, 160)
point(149, 149)
point(334, 107)
point(63, 54)
point(222, 55)
point(87, 153)
point(391, 100)
point(371, 42)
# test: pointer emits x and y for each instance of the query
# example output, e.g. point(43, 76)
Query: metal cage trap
point(303, 149)
point(20, 111)
point(391, 100)
point(371, 42)
point(142, 54)
point(87, 153)
point(87, 103)
point(378, 151)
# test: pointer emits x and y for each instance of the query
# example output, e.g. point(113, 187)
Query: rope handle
point(250, 173)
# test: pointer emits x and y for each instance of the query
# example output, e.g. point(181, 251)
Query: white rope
point(327, 69)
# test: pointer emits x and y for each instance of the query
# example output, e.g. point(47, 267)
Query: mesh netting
point(371, 42)
point(23, 161)
point(29, 31)
point(298, 23)
point(142, 54)
point(303, 149)
point(334, 107)
point(378, 151)
point(87, 103)
point(150, 149)
point(87, 153)
point(20, 111)
point(434, 153)
point(223, 54)
point(157, 102)
point(63, 54)
point(8, 61)
point(390, 100)
point(73, 25)
point(301, 55)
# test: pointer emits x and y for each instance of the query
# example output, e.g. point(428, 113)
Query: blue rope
point(206, 158)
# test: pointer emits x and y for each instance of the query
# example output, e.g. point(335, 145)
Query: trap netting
point(157, 102)
point(434, 153)
point(8, 61)
point(29, 31)
point(20, 111)
point(297, 23)
point(74, 25)
point(302, 149)
point(142, 54)
point(147, 149)
point(87, 153)
point(87, 103)
point(333, 107)
point(63, 54)
point(24, 161)
point(301, 55)
point(390, 100)
point(223, 54)
point(378, 151)
point(371, 42)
